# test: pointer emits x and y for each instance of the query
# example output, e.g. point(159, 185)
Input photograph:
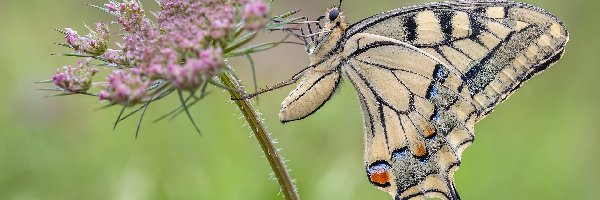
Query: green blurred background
point(543, 143)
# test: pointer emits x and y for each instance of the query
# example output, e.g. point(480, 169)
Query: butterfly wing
point(494, 46)
point(317, 84)
point(416, 122)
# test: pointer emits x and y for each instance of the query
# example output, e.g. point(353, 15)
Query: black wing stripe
point(362, 98)
point(381, 44)
point(410, 27)
point(385, 131)
point(474, 78)
point(392, 69)
point(312, 86)
point(445, 19)
point(455, 70)
point(422, 193)
point(376, 94)
point(462, 52)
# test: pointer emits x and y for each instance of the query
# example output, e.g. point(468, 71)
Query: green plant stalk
point(263, 137)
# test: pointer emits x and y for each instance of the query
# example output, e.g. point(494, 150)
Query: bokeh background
point(543, 143)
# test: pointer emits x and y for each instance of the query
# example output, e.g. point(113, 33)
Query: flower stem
point(263, 137)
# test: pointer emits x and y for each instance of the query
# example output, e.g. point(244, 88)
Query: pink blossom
point(125, 88)
point(75, 78)
point(254, 14)
point(95, 43)
point(183, 45)
point(115, 57)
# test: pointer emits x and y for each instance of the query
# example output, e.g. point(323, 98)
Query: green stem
point(263, 137)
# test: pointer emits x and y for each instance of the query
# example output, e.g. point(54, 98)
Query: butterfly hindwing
point(413, 136)
point(317, 85)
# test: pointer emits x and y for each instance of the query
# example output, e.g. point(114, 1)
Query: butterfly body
point(424, 76)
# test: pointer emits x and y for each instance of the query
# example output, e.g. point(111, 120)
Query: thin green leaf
point(64, 45)
point(105, 106)
point(253, 49)
point(257, 48)
point(137, 130)
point(67, 93)
point(45, 81)
point(164, 94)
point(253, 67)
point(277, 24)
point(240, 41)
point(285, 15)
point(179, 108)
point(119, 117)
point(51, 89)
point(80, 56)
point(202, 90)
point(103, 9)
point(60, 30)
point(188, 111)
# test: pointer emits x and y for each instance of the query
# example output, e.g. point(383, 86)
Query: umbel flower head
point(183, 46)
point(95, 43)
point(77, 78)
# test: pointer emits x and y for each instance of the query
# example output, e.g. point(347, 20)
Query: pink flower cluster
point(95, 43)
point(75, 79)
point(125, 88)
point(115, 57)
point(186, 76)
point(255, 14)
point(184, 45)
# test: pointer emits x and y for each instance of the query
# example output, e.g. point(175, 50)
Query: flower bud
point(75, 79)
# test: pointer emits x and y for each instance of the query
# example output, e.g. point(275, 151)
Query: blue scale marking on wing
point(400, 154)
point(444, 72)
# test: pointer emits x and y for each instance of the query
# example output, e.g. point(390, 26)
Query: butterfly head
point(328, 35)
point(335, 19)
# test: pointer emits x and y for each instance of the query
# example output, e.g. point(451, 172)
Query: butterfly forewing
point(493, 46)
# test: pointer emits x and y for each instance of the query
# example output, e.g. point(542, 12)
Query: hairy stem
point(263, 137)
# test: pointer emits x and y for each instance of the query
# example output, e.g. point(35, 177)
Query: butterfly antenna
point(340, 5)
point(317, 33)
point(302, 37)
point(319, 21)
point(299, 36)
point(290, 81)
point(268, 89)
point(310, 31)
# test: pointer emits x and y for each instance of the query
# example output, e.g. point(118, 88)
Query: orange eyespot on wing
point(429, 132)
point(378, 173)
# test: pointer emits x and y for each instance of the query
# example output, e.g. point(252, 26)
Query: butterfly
point(424, 76)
